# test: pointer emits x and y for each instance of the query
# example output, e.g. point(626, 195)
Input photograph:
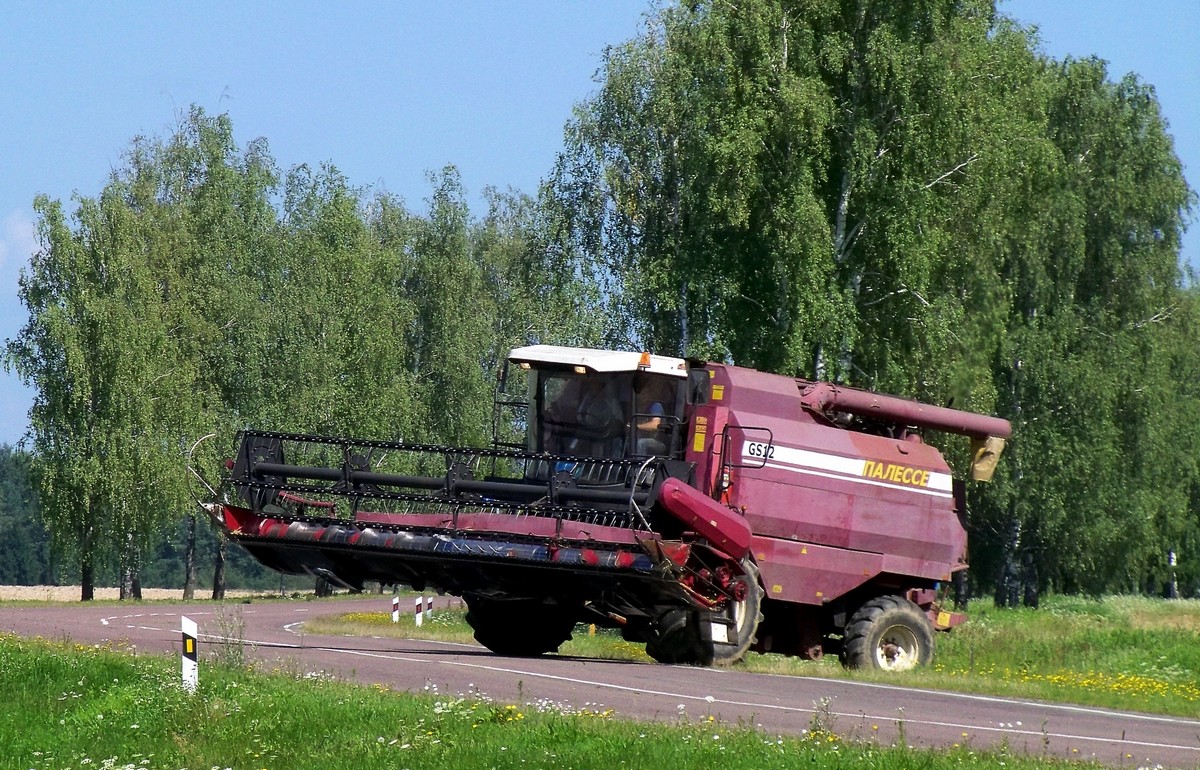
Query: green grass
point(1128, 653)
point(73, 706)
point(1119, 652)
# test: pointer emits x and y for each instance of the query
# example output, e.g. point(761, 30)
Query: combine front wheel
point(888, 633)
point(520, 628)
point(742, 617)
point(718, 638)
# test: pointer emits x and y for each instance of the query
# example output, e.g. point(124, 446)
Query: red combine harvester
point(703, 509)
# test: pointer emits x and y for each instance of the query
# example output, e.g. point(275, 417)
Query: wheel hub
point(898, 649)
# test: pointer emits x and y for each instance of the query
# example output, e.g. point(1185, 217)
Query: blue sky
point(390, 91)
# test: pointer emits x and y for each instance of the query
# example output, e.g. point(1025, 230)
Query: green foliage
point(24, 550)
point(689, 180)
point(101, 351)
point(203, 292)
point(1116, 652)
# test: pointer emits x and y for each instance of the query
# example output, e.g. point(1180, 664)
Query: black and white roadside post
point(190, 672)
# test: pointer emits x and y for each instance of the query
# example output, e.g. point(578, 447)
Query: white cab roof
point(598, 360)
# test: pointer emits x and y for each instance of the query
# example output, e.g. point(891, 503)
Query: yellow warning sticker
point(718, 392)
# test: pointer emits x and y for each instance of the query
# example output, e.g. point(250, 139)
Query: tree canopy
point(183, 301)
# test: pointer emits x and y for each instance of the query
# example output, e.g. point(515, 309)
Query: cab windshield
point(625, 414)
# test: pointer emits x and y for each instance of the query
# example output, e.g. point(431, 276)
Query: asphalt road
point(777, 705)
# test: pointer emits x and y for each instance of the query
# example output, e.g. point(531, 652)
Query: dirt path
point(72, 593)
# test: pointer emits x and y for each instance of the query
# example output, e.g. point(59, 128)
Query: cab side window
point(655, 414)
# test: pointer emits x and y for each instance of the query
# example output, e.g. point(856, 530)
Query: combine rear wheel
point(890, 634)
point(520, 628)
point(719, 638)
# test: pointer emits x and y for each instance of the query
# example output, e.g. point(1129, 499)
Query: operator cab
point(602, 403)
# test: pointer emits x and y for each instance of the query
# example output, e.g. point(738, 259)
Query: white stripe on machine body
point(831, 466)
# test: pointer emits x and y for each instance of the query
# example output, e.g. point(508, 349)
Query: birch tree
point(108, 386)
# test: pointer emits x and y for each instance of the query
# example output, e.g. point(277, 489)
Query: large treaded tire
point(519, 628)
point(680, 636)
point(888, 633)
